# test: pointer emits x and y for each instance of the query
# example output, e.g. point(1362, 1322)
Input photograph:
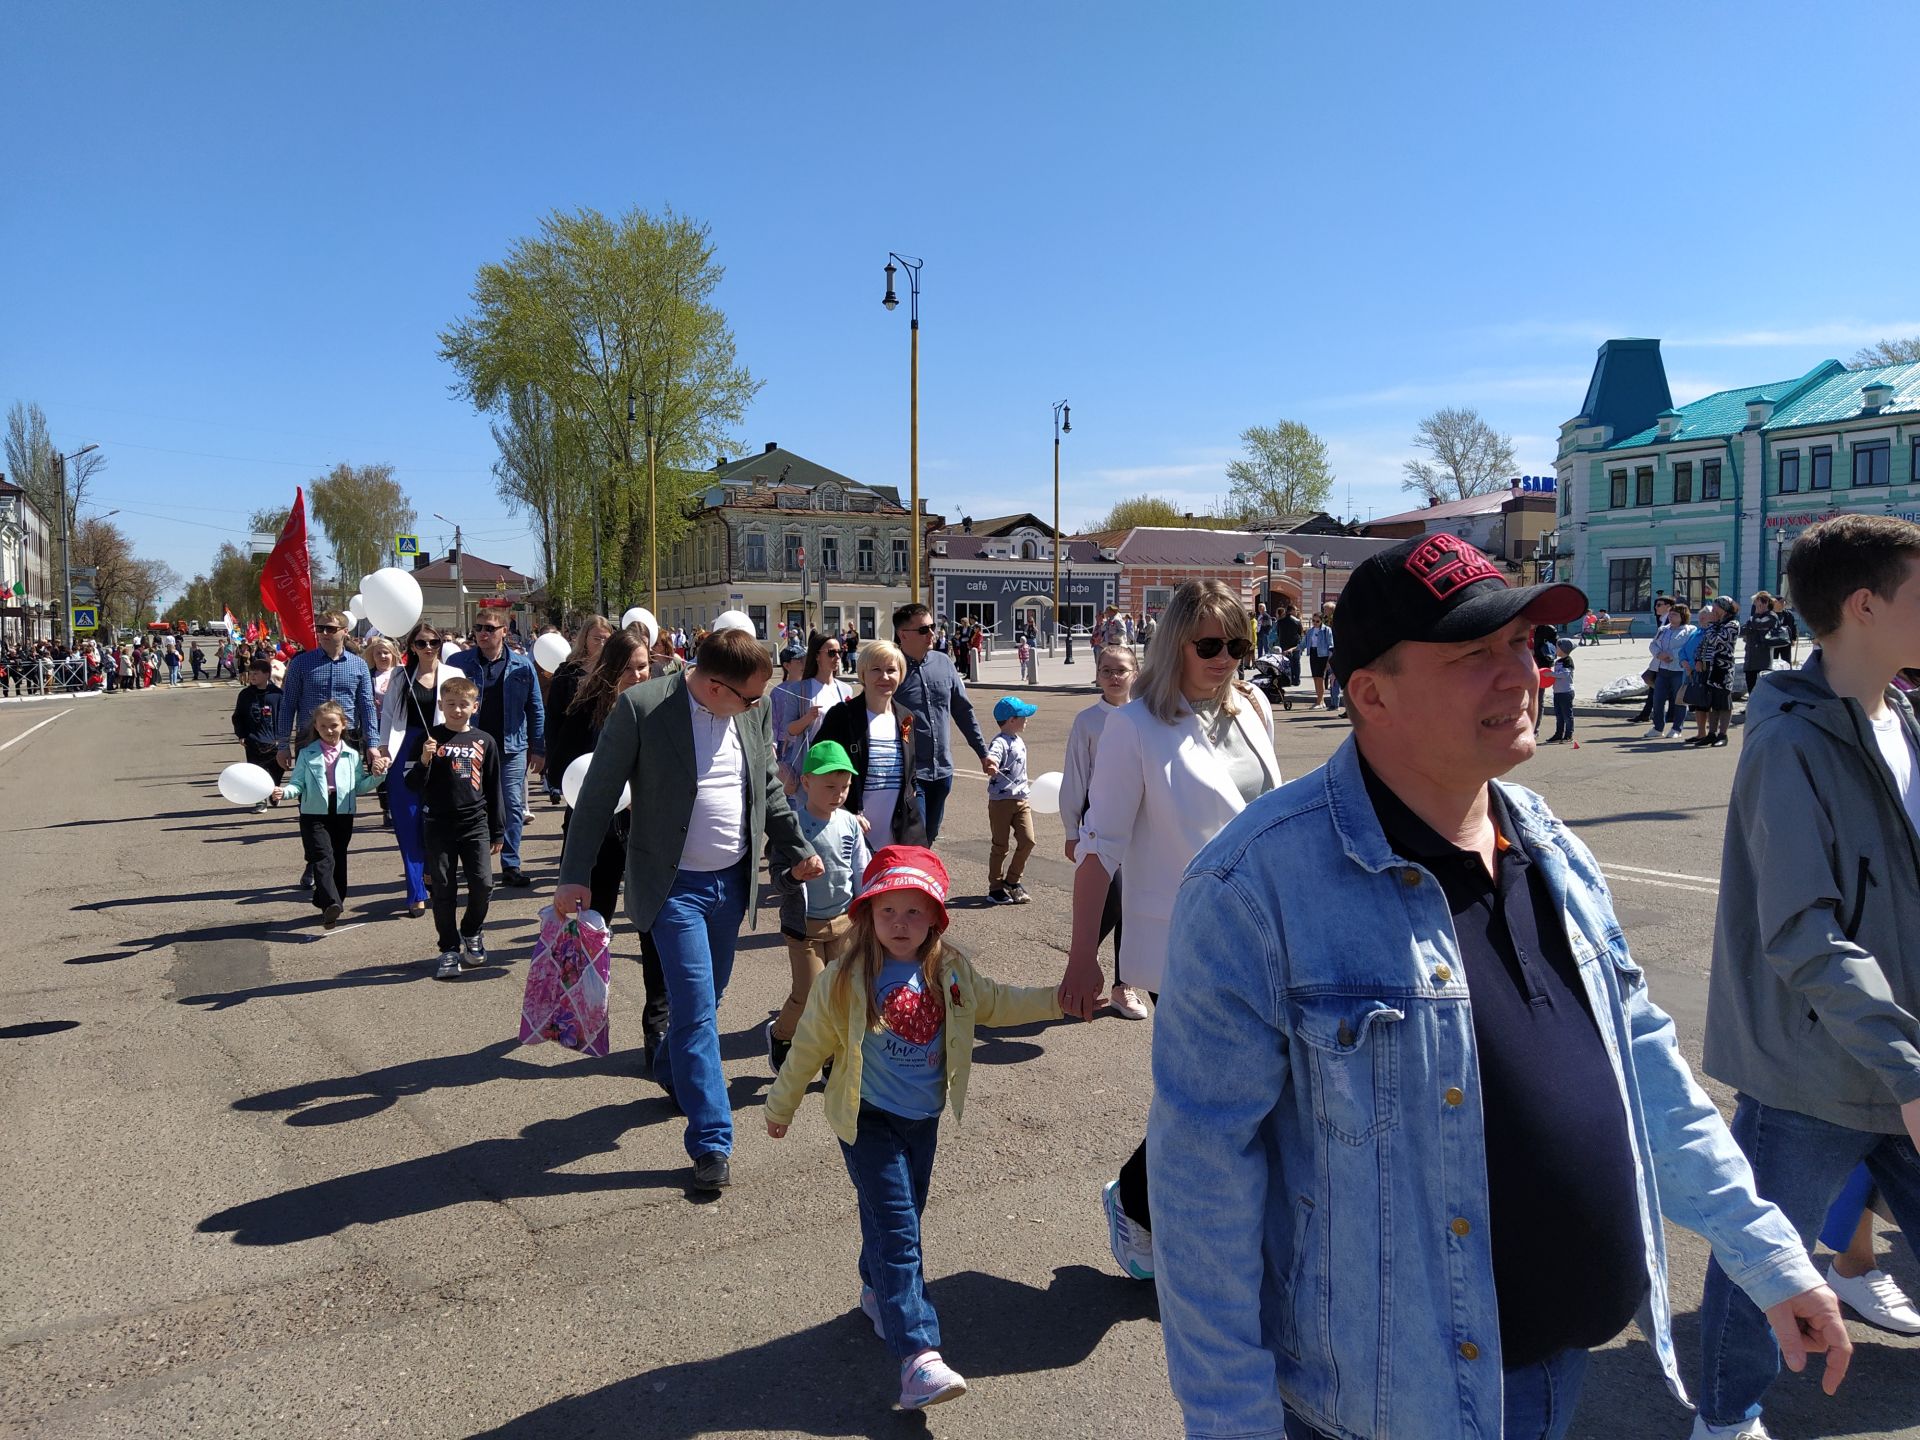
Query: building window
point(1872, 463)
point(1566, 496)
point(1790, 473)
point(1683, 482)
point(1696, 579)
point(756, 552)
point(1643, 485)
point(758, 615)
point(865, 554)
point(1822, 477)
point(1913, 465)
point(1630, 586)
point(1709, 479)
point(794, 549)
point(1617, 489)
point(830, 554)
point(900, 560)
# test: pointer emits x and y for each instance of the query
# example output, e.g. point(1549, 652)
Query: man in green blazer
point(696, 750)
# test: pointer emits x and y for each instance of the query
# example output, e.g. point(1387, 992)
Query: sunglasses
point(487, 629)
point(918, 630)
point(829, 649)
point(425, 642)
point(1238, 647)
point(748, 701)
point(329, 629)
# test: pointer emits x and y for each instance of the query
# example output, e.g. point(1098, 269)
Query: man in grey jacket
point(933, 692)
point(1811, 1011)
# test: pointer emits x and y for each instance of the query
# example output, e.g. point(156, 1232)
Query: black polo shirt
point(1569, 1262)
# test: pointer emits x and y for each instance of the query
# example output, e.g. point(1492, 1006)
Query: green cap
point(827, 757)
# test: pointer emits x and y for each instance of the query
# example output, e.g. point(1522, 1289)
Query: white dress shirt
point(717, 831)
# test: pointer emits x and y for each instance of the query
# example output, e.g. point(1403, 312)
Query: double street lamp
point(1062, 425)
point(66, 540)
point(891, 301)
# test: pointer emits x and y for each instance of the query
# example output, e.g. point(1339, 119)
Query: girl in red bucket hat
point(895, 1012)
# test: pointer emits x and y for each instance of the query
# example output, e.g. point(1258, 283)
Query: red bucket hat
point(906, 867)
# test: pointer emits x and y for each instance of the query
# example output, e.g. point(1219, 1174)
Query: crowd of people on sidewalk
point(1377, 1126)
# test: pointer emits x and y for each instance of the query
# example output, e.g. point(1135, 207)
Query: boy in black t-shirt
point(254, 710)
point(459, 780)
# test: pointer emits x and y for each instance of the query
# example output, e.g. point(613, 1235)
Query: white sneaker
point(1751, 1430)
point(1876, 1299)
point(926, 1379)
point(870, 1307)
point(1676, 733)
point(1123, 1002)
point(1132, 1245)
point(1654, 734)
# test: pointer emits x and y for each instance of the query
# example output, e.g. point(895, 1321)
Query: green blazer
point(647, 743)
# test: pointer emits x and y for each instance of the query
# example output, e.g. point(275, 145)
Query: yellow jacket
point(826, 1034)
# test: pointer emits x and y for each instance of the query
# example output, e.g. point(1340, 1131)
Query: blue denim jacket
point(1316, 1138)
point(526, 720)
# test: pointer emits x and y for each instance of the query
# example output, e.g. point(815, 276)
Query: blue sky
point(231, 232)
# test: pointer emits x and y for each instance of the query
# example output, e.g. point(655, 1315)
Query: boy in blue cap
point(1009, 816)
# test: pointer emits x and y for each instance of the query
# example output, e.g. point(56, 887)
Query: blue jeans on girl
point(890, 1163)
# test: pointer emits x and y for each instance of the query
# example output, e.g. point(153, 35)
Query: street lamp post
point(66, 554)
point(459, 585)
point(1062, 425)
point(890, 300)
point(1069, 622)
point(1321, 561)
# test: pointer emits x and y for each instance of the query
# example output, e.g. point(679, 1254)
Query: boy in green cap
point(813, 914)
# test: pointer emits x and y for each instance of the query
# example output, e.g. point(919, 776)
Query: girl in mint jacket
point(895, 1013)
point(327, 775)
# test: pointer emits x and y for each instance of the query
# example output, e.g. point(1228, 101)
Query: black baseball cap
point(1435, 590)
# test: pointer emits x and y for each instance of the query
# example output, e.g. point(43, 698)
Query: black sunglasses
point(1210, 647)
point(918, 630)
point(425, 642)
point(329, 629)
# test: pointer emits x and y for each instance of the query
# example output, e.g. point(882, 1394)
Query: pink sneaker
point(926, 1379)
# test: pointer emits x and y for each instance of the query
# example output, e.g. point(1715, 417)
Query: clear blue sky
point(230, 232)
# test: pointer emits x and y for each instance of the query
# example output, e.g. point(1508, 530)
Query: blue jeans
point(890, 1163)
point(513, 796)
point(1800, 1164)
point(695, 933)
point(933, 803)
point(1562, 716)
point(1538, 1400)
point(409, 822)
point(1667, 685)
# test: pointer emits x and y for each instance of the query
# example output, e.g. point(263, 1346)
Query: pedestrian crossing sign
point(406, 545)
point(85, 617)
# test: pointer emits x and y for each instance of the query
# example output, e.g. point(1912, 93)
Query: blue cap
point(1010, 707)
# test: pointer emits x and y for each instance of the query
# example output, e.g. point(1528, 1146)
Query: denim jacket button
point(1469, 1350)
point(1410, 877)
point(1442, 974)
point(1455, 1095)
point(1460, 1227)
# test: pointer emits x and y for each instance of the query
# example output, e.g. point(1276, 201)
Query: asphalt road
point(263, 1180)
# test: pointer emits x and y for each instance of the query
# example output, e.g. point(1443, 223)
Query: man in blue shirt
point(330, 673)
point(932, 692)
point(511, 712)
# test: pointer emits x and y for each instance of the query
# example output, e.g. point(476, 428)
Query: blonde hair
point(862, 955)
point(587, 627)
point(872, 651)
point(311, 730)
point(1193, 604)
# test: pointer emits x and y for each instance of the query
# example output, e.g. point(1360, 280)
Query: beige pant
point(1011, 822)
point(808, 958)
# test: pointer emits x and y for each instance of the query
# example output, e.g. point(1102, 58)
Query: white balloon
point(245, 784)
point(1045, 798)
point(640, 615)
point(448, 649)
point(392, 600)
point(734, 620)
point(576, 775)
point(357, 607)
point(550, 651)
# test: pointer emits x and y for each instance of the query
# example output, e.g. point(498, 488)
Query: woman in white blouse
point(1191, 751)
point(799, 707)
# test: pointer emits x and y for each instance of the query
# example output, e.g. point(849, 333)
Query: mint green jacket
point(307, 780)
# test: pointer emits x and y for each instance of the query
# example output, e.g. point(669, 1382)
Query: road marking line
point(1663, 884)
point(24, 733)
point(1667, 874)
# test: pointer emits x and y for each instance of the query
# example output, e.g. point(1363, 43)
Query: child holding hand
point(326, 777)
point(895, 1013)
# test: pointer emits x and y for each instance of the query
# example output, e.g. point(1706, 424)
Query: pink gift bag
point(566, 999)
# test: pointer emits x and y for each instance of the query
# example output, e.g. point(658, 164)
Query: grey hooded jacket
point(1816, 984)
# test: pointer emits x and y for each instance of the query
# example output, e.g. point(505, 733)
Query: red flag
point(286, 585)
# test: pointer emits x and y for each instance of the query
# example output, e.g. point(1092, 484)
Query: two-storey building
point(1707, 498)
point(29, 599)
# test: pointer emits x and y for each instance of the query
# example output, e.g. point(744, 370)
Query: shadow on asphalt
point(836, 1379)
point(498, 1170)
point(403, 973)
point(141, 819)
point(1008, 1044)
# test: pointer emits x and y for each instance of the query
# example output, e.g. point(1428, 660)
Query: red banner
point(286, 585)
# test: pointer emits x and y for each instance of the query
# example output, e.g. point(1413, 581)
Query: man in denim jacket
point(1415, 1117)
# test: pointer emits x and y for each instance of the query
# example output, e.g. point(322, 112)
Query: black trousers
point(325, 839)
point(1110, 924)
point(455, 846)
point(609, 869)
point(1133, 1177)
point(267, 758)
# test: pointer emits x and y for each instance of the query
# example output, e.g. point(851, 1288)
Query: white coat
point(1160, 792)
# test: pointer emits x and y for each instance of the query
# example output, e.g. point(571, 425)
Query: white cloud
point(1842, 335)
point(1467, 389)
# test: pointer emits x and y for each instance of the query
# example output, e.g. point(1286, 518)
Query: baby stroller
point(1272, 673)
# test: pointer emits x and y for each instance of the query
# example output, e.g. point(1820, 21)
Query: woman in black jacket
point(879, 738)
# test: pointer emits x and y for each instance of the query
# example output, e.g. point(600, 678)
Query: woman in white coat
point(1190, 751)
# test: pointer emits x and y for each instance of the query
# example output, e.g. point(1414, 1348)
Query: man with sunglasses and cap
point(512, 712)
point(1410, 1150)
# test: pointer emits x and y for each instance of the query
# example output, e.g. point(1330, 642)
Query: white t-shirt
point(717, 830)
point(1896, 748)
point(884, 779)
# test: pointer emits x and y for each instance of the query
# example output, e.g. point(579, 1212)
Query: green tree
point(1887, 352)
point(361, 508)
point(1284, 472)
point(1465, 456)
point(1154, 510)
point(33, 463)
point(612, 321)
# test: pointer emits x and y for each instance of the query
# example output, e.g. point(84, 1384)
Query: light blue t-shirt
point(902, 1064)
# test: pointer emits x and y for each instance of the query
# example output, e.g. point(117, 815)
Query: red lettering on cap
point(1446, 563)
